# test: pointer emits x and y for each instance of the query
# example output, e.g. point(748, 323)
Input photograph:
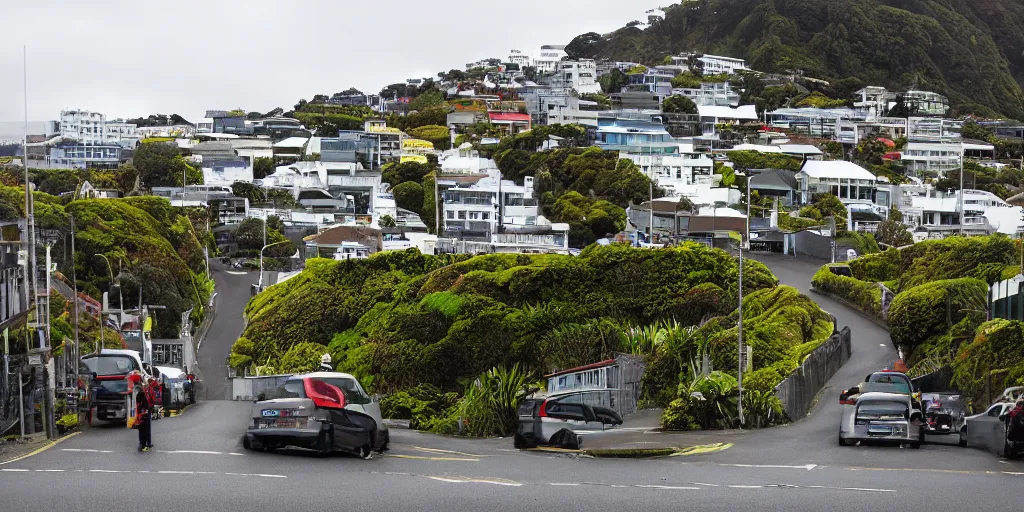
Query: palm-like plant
point(490, 404)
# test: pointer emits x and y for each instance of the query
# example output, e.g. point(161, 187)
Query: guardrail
point(797, 391)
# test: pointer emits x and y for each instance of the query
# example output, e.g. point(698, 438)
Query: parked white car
point(986, 430)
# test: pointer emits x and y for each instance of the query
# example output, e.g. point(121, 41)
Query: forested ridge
point(969, 50)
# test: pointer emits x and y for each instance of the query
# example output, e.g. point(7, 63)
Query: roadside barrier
point(797, 391)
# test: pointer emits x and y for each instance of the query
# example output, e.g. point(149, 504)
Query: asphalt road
point(232, 296)
point(199, 464)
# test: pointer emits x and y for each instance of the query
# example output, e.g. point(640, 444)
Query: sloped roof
point(836, 169)
point(774, 178)
point(365, 235)
point(292, 142)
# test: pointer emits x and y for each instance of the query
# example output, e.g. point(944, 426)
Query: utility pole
point(961, 188)
point(74, 285)
point(739, 372)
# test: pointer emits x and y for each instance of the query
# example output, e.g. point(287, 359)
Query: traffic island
point(638, 453)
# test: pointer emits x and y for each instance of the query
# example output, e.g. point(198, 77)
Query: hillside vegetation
point(970, 50)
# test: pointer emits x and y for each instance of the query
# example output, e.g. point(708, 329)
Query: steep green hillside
point(969, 50)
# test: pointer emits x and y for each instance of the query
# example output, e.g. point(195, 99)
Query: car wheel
point(325, 445)
point(246, 443)
point(384, 446)
point(366, 452)
point(843, 442)
point(963, 437)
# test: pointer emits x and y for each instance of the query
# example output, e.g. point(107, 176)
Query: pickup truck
point(109, 371)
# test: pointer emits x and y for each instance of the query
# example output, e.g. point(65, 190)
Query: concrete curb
point(41, 449)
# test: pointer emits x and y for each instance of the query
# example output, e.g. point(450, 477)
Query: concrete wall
point(797, 391)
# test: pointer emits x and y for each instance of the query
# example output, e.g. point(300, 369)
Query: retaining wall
point(797, 391)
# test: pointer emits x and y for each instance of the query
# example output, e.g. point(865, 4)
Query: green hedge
point(406, 318)
point(992, 361)
point(929, 310)
point(864, 295)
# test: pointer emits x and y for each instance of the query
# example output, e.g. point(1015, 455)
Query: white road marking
point(14, 470)
point(881, 344)
point(706, 485)
point(84, 450)
point(49, 470)
point(235, 273)
point(669, 487)
point(562, 484)
point(1013, 473)
point(107, 471)
point(197, 452)
point(176, 472)
point(457, 480)
point(808, 467)
point(745, 486)
point(256, 474)
point(865, 489)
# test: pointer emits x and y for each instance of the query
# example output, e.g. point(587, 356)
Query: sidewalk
point(14, 449)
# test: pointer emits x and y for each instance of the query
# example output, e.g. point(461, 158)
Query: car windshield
point(354, 393)
point(886, 384)
point(290, 389)
point(882, 409)
point(110, 365)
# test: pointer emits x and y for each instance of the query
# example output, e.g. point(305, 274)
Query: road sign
point(35, 359)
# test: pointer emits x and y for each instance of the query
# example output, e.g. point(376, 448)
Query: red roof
point(509, 116)
point(592, 366)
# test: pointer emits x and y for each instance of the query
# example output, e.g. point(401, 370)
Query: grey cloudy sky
point(131, 58)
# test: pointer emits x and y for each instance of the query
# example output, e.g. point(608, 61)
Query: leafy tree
point(274, 222)
point(830, 205)
point(249, 236)
point(602, 100)
point(678, 104)
point(263, 167)
point(154, 161)
point(431, 98)
point(686, 80)
point(387, 221)
point(613, 81)
point(584, 46)
point(684, 203)
point(396, 173)
point(972, 130)
point(893, 233)
point(530, 73)
point(895, 214)
point(236, 113)
point(409, 195)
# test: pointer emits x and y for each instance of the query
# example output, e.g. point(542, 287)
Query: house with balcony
point(290, 149)
point(775, 183)
point(851, 183)
point(713, 116)
point(510, 123)
point(465, 160)
point(580, 76)
point(926, 103)
point(547, 59)
point(344, 243)
point(874, 100)
point(711, 94)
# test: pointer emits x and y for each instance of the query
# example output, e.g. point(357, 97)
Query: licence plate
point(879, 430)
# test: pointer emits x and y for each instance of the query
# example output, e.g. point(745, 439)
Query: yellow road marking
point(418, 457)
point(49, 445)
point(702, 449)
point(435, 450)
point(552, 449)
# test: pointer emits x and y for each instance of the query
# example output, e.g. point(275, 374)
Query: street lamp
point(750, 180)
point(739, 328)
point(260, 285)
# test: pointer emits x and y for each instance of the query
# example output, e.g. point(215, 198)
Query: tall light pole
point(750, 180)
point(259, 286)
point(739, 368)
point(962, 151)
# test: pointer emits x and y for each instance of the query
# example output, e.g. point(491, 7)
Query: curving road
point(199, 463)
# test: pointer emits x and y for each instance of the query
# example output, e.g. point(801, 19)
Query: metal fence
point(797, 391)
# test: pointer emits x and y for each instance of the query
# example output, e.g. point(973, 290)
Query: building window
point(462, 215)
point(449, 214)
point(485, 215)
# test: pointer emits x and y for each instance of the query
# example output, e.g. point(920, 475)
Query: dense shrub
point(991, 361)
point(922, 312)
point(864, 295)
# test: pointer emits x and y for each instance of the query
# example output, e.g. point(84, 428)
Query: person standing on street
point(142, 417)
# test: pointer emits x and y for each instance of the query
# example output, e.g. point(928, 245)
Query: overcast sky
point(131, 58)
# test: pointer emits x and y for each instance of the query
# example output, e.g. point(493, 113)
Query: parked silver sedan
point(311, 413)
point(883, 417)
point(986, 430)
